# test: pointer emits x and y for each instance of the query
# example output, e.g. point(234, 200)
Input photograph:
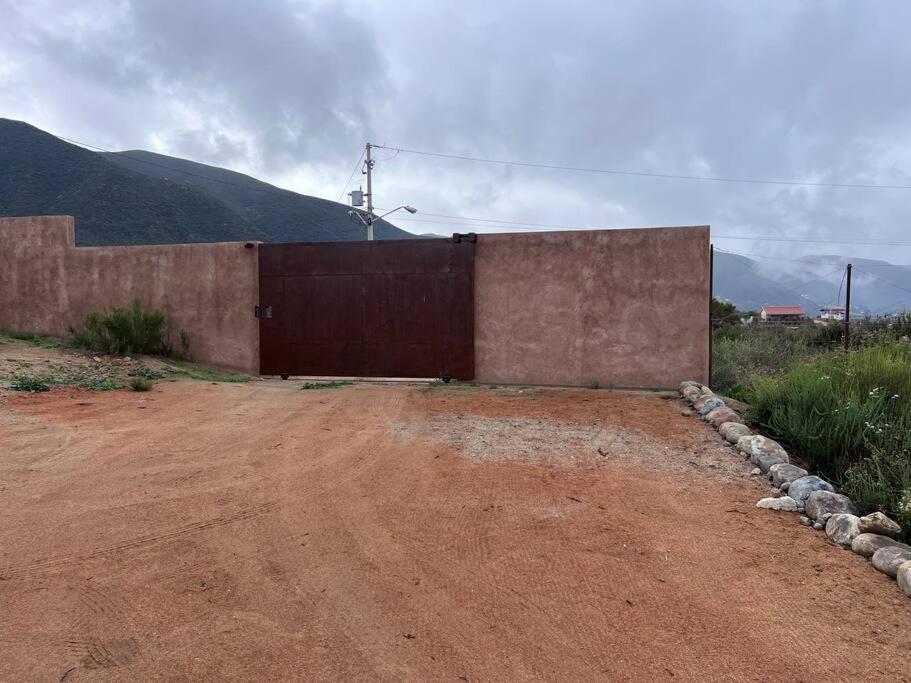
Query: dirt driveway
point(257, 531)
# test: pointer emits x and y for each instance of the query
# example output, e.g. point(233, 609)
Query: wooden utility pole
point(370, 217)
point(848, 311)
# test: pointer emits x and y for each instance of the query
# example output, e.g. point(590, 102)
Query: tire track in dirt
point(139, 541)
point(87, 626)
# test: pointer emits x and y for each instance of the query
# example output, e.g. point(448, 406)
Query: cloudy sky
point(290, 90)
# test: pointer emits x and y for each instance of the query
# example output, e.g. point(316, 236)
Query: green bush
point(140, 384)
point(127, 330)
point(743, 354)
point(26, 383)
point(835, 410)
point(883, 482)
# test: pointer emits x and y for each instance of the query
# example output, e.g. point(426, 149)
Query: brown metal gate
point(368, 309)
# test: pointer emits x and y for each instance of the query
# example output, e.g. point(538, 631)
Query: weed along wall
point(47, 285)
point(617, 307)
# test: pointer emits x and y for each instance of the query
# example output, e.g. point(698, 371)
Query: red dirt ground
point(255, 531)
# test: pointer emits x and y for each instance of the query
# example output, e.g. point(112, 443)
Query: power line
point(558, 226)
point(675, 176)
point(879, 277)
point(353, 171)
point(488, 220)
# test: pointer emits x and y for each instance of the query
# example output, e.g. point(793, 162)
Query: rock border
point(795, 490)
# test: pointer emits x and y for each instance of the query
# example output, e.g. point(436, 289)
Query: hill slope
point(121, 198)
point(284, 215)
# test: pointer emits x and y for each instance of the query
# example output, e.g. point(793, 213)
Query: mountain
point(139, 197)
point(812, 282)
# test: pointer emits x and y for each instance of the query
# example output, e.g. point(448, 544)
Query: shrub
point(743, 354)
point(837, 409)
point(26, 383)
point(883, 482)
point(126, 330)
point(140, 384)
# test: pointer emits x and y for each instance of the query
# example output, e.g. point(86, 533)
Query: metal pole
point(848, 311)
point(369, 194)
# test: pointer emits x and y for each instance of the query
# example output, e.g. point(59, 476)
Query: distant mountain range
point(138, 197)
point(812, 282)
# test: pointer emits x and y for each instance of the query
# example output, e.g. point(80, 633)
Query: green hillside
point(144, 198)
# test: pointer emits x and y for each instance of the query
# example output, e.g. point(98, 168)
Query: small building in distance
point(832, 312)
point(783, 315)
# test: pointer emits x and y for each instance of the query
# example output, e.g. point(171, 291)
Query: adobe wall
point(628, 308)
point(47, 284)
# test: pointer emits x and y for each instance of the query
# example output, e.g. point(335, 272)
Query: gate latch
point(258, 311)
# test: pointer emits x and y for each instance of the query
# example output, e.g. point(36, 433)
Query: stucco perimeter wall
point(47, 284)
point(628, 308)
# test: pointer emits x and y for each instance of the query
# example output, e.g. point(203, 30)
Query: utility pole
point(848, 311)
point(369, 172)
point(357, 197)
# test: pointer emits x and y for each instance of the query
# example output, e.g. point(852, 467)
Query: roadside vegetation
point(130, 330)
point(116, 335)
point(203, 373)
point(334, 384)
point(845, 414)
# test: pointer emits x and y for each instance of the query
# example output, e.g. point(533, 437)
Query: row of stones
point(872, 536)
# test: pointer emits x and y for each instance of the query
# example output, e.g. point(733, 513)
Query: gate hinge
point(258, 311)
point(458, 237)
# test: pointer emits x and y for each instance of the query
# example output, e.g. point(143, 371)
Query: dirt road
point(256, 531)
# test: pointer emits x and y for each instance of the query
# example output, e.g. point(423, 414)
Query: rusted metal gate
point(368, 309)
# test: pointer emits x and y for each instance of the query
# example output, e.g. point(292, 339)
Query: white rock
point(842, 528)
point(755, 471)
point(732, 431)
point(784, 504)
point(868, 544)
point(878, 523)
point(801, 488)
point(903, 576)
point(824, 502)
point(785, 473)
point(890, 558)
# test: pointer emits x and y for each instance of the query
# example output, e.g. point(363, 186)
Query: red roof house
point(783, 314)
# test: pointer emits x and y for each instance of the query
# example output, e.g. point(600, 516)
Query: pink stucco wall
point(47, 285)
point(626, 308)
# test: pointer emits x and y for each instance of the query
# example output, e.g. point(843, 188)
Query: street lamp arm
point(409, 209)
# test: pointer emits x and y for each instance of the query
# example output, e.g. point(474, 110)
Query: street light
point(371, 219)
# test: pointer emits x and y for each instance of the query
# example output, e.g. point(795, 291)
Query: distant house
point(832, 313)
point(783, 315)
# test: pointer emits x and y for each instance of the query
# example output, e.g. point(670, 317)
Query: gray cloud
point(290, 90)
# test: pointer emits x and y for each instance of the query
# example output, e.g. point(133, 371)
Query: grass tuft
point(202, 373)
point(140, 384)
point(326, 385)
point(146, 373)
point(27, 383)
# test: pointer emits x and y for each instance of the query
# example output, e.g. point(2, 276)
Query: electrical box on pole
point(357, 197)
